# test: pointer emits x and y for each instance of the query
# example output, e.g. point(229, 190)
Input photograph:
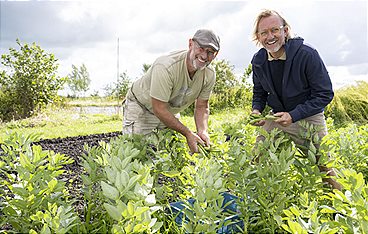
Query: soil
point(74, 148)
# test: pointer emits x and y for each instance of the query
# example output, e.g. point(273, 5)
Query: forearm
point(161, 111)
point(201, 116)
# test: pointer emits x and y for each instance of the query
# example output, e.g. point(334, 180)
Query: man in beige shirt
point(172, 84)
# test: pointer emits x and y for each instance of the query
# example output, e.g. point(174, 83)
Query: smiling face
point(199, 57)
point(271, 34)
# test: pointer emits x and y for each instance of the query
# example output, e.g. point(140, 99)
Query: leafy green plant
point(126, 189)
point(130, 183)
point(29, 83)
point(33, 198)
point(206, 213)
point(349, 147)
point(78, 80)
point(350, 104)
point(350, 209)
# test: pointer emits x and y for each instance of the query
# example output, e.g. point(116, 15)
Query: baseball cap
point(206, 38)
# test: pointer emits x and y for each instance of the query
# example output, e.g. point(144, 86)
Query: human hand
point(205, 137)
point(284, 118)
point(193, 140)
point(259, 123)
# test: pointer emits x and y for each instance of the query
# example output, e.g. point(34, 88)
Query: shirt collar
point(270, 58)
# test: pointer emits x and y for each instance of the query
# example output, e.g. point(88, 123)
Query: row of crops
point(153, 185)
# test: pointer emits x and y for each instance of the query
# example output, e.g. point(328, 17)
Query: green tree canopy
point(225, 78)
point(78, 80)
point(119, 88)
point(29, 81)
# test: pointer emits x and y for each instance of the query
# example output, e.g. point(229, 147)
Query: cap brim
point(213, 46)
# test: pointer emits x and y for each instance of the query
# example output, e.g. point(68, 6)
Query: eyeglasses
point(274, 31)
point(210, 53)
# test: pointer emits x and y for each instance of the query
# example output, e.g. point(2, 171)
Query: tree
point(79, 81)
point(246, 75)
point(29, 83)
point(225, 78)
point(229, 91)
point(119, 88)
point(145, 68)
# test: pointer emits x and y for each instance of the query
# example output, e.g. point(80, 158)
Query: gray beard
point(199, 68)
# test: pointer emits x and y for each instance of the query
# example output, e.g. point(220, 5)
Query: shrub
point(349, 104)
point(29, 83)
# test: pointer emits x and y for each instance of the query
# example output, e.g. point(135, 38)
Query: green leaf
point(113, 212)
point(155, 226)
point(133, 181)
point(25, 162)
point(52, 184)
point(140, 210)
point(45, 229)
point(109, 191)
point(171, 174)
point(130, 208)
point(296, 228)
point(141, 190)
point(139, 228)
point(218, 183)
point(150, 199)
point(125, 162)
point(9, 211)
point(327, 209)
point(125, 179)
point(295, 211)
point(288, 213)
point(111, 174)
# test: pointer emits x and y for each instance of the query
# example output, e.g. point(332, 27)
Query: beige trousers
point(138, 120)
point(295, 129)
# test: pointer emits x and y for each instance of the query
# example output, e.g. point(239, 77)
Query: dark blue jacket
point(306, 86)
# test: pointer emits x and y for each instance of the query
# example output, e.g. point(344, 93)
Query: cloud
point(348, 75)
point(87, 31)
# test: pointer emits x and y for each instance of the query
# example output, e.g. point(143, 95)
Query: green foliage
point(225, 78)
point(146, 67)
point(349, 146)
point(33, 199)
point(124, 189)
point(350, 104)
point(205, 213)
point(129, 183)
point(350, 209)
point(78, 80)
point(120, 88)
point(29, 82)
point(229, 91)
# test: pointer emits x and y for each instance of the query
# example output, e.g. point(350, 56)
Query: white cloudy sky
point(86, 32)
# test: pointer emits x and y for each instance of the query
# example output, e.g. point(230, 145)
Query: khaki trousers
point(138, 120)
point(295, 129)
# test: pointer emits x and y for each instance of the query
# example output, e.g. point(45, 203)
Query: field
point(102, 183)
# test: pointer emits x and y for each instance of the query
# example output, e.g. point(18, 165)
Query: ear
point(191, 43)
point(286, 31)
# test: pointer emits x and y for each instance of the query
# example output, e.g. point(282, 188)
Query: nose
point(270, 33)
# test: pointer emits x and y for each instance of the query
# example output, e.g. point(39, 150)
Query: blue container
point(230, 207)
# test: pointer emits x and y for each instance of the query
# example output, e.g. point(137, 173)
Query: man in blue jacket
point(291, 78)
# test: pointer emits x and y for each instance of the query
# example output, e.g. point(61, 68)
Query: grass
point(63, 123)
point(350, 104)
point(92, 101)
point(55, 123)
